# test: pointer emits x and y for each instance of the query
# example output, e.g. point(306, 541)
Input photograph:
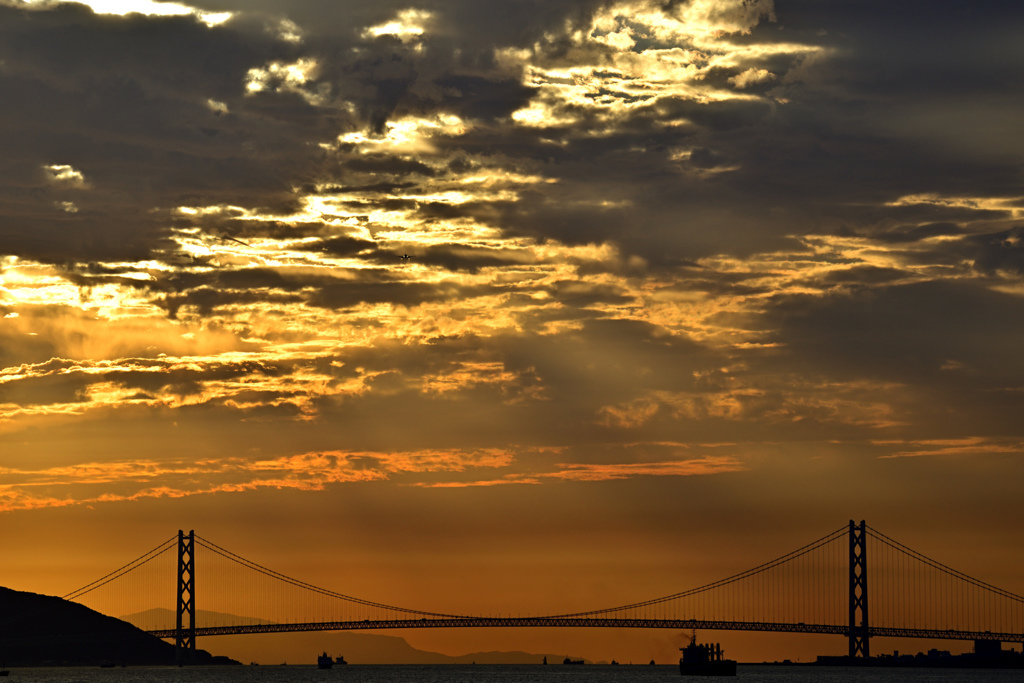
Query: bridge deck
point(592, 622)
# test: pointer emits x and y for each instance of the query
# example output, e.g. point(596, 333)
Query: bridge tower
point(185, 634)
point(858, 633)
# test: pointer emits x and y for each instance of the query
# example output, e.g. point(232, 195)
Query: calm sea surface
point(493, 674)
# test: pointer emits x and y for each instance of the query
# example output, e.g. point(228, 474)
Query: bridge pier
point(859, 633)
point(185, 634)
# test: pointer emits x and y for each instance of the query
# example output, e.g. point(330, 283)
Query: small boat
point(705, 660)
point(340, 660)
point(324, 661)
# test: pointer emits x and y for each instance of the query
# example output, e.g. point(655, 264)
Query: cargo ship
point(705, 660)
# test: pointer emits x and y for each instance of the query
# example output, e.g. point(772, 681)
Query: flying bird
point(232, 239)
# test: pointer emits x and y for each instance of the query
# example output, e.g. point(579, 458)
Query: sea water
point(557, 673)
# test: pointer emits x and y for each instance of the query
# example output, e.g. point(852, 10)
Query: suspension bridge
point(822, 587)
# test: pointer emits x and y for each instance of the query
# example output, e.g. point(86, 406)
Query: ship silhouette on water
point(705, 660)
point(325, 661)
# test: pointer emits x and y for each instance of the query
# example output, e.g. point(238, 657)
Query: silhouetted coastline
point(988, 654)
point(42, 630)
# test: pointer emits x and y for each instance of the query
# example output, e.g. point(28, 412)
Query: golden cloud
point(970, 446)
point(312, 471)
point(593, 472)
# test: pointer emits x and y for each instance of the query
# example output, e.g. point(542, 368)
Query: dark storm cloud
point(477, 27)
point(577, 295)
point(208, 290)
point(997, 254)
point(934, 77)
point(468, 259)
point(386, 164)
point(124, 101)
point(59, 382)
point(909, 333)
point(1002, 251)
point(155, 109)
point(347, 294)
point(402, 81)
point(865, 275)
point(58, 387)
point(185, 381)
point(207, 299)
point(343, 246)
point(943, 357)
point(483, 99)
point(832, 155)
point(914, 233)
point(779, 170)
point(899, 49)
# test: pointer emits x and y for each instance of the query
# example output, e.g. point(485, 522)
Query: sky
point(510, 305)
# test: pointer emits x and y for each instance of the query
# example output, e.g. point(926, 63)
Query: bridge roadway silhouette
point(821, 588)
point(592, 622)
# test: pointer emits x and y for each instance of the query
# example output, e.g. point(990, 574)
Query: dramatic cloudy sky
point(509, 303)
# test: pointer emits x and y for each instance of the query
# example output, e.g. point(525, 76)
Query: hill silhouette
point(42, 630)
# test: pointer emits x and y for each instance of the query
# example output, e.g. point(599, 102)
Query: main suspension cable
point(266, 571)
point(131, 566)
point(814, 545)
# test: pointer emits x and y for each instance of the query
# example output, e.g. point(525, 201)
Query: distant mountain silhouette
point(41, 630)
point(371, 648)
point(374, 648)
point(357, 647)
